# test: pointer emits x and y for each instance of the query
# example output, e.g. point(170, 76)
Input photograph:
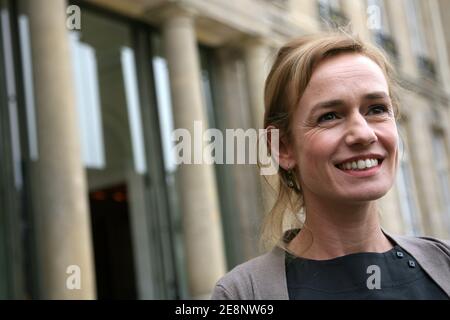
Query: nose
point(359, 132)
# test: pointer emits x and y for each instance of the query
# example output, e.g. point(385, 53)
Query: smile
point(361, 168)
point(361, 164)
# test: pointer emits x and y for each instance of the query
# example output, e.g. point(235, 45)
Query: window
point(330, 12)
point(226, 101)
point(406, 188)
point(440, 161)
point(112, 147)
point(417, 35)
point(413, 14)
point(13, 280)
point(329, 5)
point(166, 126)
point(5, 159)
point(378, 23)
point(223, 172)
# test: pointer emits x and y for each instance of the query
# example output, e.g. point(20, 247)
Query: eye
point(378, 109)
point(327, 117)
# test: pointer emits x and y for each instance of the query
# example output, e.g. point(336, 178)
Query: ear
point(281, 149)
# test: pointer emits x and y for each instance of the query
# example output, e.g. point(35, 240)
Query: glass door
point(12, 279)
point(119, 129)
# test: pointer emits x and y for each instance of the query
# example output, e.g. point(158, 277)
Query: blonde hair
point(287, 80)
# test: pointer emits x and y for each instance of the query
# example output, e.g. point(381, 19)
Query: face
point(344, 136)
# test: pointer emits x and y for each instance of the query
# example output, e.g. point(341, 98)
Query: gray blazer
point(264, 277)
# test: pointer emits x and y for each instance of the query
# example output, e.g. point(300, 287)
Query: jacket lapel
point(432, 255)
point(270, 280)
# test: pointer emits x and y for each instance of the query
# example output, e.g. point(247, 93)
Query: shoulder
point(251, 279)
point(432, 254)
point(237, 283)
point(424, 244)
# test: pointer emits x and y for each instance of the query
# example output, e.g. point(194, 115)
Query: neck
point(332, 230)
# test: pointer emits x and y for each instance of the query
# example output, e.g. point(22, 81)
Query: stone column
point(441, 46)
point(258, 59)
point(356, 12)
point(305, 14)
point(204, 248)
point(59, 193)
point(389, 214)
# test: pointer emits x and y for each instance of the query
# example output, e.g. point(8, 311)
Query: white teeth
point(360, 164)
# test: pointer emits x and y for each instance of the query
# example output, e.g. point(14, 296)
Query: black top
point(390, 275)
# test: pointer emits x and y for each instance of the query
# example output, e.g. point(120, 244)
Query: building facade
point(92, 201)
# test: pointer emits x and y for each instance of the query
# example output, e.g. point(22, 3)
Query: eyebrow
point(329, 104)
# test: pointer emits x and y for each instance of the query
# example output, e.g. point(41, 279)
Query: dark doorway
point(114, 264)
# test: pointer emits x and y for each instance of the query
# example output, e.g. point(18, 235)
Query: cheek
point(314, 152)
point(390, 139)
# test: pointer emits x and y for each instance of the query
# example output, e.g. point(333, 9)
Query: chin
point(367, 195)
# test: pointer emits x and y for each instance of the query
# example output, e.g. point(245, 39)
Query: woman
point(332, 98)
